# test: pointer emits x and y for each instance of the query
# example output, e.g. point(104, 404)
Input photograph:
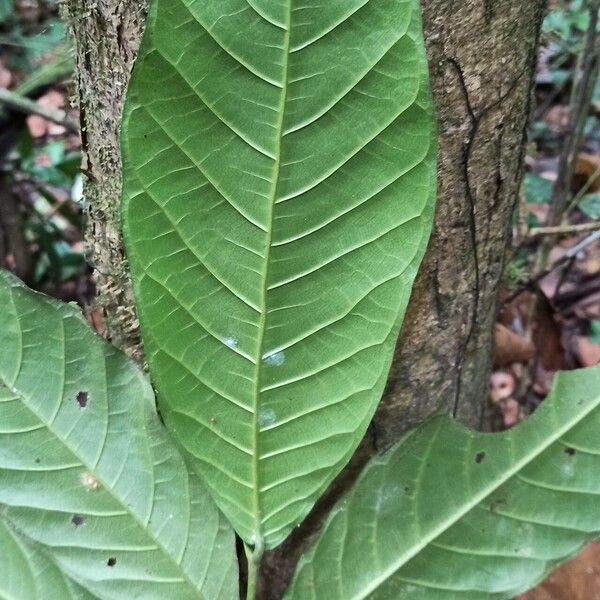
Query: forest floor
point(546, 323)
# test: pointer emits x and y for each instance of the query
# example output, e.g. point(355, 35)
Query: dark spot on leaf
point(496, 503)
point(82, 399)
point(38, 460)
point(570, 451)
point(78, 520)
point(111, 562)
point(406, 489)
point(479, 457)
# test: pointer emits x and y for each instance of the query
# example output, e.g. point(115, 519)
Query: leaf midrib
point(84, 463)
point(259, 541)
point(104, 484)
point(493, 486)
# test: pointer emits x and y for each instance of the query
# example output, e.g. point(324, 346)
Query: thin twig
point(563, 229)
point(584, 82)
point(569, 255)
point(27, 106)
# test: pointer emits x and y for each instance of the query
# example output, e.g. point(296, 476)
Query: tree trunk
point(482, 58)
point(106, 35)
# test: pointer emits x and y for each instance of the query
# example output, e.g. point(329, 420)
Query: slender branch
point(570, 255)
point(564, 229)
point(584, 82)
point(27, 106)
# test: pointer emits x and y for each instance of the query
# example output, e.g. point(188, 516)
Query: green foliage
point(279, 182)
point(538, 190)
point(516, 271)
point(28, 47)
point(453, 514)
point(93, 495)
point(96, 503)
point(595, 332)
point(52, 172)
point(5, 10)
point(568, 21)
point(590, 205)
point(27, 573)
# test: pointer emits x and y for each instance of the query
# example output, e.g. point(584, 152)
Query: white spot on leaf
point(88, 481)
point(276, 359)
point(266, 417)
point(231, 342)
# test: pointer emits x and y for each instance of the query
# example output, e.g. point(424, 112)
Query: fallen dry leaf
point(95, 317)
point(540, 211)
point(510, 347)
point(589, 353)
point(511, 412)
point(547, 336)
point(38, 126)
point(587, 172)
point(557, 118)
point(543, 379)
point(502, 386)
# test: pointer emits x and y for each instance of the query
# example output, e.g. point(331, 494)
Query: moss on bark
point(106, 35)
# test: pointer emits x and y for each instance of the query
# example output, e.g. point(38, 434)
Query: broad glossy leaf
point(88, 477)
point(279, 160)
point(456, 515)
point(27, 573)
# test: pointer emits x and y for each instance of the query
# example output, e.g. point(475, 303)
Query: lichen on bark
point(106, 35)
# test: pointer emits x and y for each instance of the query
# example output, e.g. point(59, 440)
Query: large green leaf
point(91, 488)
point(457, 515)
point(26, 573)
point(279, 162)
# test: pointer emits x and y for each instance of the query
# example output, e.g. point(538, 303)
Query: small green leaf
point(595, 332)
point(590, 205)
point(90, 483)
point(279, 164)
point(457, 515)
point(6, 10)
point(27, 573)
point(538, 190)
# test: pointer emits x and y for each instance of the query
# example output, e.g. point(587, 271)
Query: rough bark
point(482, 57)
point(106, 35)
point(482, 60)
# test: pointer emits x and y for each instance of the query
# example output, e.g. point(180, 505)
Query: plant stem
point(254, 556)
point(564, 229)
point(570, 254)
